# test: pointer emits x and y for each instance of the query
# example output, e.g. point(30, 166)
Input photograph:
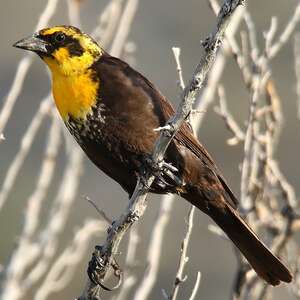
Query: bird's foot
point(98, 266)
point(164, 166)
point(163, 171)
point(169, 170)
point(166, 129)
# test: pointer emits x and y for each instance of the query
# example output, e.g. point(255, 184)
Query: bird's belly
point(106, 161)
point(118, 159)
point(106, 155)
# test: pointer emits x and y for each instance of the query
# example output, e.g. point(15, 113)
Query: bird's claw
point(168, 170)
point(160, 167)
point(166, 129)
point(163, 170)
point(97, 267)
point(164, 166)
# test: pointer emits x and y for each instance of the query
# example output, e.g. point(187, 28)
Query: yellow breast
point(74, 96)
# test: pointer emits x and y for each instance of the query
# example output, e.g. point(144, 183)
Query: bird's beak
point(33, 43)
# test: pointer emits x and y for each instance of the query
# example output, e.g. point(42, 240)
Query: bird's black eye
point(59, 37)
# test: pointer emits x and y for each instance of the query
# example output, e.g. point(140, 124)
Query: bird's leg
point(97, 269)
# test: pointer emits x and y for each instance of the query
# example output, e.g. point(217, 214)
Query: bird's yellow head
point(69, 54)
point(64, 49)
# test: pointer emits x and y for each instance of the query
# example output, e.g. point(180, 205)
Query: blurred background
point(157, 27)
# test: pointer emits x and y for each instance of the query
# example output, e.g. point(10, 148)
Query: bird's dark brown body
point(112, 111)
point(131, 108)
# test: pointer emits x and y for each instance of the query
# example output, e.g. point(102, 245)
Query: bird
point(112, 111)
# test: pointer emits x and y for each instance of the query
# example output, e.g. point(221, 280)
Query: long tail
point(265, 264)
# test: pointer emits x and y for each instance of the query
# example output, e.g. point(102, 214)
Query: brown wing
point(132, 100)
point(186, 138)
point(127, 105)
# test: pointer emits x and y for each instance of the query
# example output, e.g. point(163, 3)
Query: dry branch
point(205, 99)
point(137, 203)
point(22, 70)
point(183, 256)
point(62, 270)
point(25, 145)
point(267, 199)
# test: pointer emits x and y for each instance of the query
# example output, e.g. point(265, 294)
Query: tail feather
point(265, 264)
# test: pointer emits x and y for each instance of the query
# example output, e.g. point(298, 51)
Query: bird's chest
point(91, 128)
point(75, 96)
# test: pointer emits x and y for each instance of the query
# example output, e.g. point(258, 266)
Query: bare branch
point(63, 269)
point(47, 247)
point(22, 69)
point(124, 27)
point(99, 210)
point(258, 84)
point(183, 256)
point(196, 287)
point(108, 22)
point(25, 146)
point(297, 68)
point(206, 96)
point(130, 277)
point(74, 12)
point(14, 285)
point(155, 248)
point(176, 52)
point(137, 203)
point(286, 34)
point(239, 135)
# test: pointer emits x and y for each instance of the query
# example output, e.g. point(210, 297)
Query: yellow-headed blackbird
point(112, 111)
